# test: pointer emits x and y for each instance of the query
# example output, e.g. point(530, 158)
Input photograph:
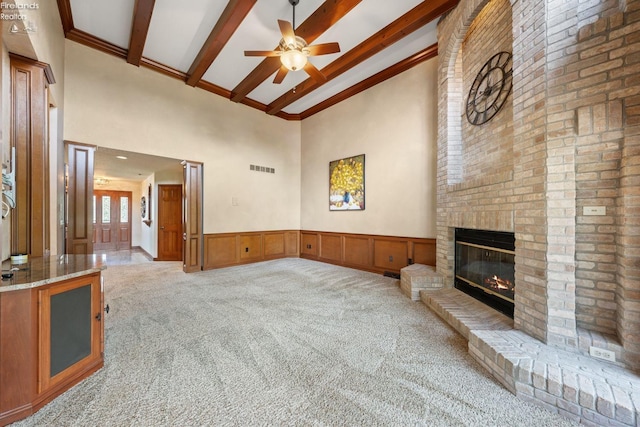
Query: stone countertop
point(41, 271)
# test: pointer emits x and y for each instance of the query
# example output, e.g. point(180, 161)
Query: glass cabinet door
point(70, 325)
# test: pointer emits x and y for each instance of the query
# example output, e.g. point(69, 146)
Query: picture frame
point(147, 218)
point(346, 184)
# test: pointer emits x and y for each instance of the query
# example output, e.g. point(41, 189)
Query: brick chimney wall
point(567, 140)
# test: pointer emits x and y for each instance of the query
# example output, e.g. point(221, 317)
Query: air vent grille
point(266, 169)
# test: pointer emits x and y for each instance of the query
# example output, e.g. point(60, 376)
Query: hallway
point(125, 257)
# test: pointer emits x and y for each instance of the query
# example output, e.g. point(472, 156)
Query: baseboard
point(145, 253)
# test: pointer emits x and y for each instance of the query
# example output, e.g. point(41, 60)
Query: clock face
point(490, 89)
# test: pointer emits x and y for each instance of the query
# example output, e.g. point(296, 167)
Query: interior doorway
point(142, 175)
point(170, 239)
point(111, 220)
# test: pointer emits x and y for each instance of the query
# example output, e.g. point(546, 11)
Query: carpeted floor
point(285, 342)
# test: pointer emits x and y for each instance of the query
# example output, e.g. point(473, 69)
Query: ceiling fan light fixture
point(293, 59)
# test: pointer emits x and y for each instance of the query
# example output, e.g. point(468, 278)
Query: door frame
point(193, 236)
point(79, 244)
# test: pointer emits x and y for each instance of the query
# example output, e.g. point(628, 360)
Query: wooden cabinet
point(51, 337)
point(69, 331)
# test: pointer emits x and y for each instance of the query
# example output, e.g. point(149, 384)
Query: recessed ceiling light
point(121, 157)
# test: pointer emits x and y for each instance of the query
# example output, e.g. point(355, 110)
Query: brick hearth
point(572, 384)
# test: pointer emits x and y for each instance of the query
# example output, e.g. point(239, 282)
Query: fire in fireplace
point(485, 267)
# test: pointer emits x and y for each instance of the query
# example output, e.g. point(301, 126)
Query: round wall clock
point(490, 89)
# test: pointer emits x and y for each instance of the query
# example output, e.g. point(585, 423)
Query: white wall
point(395, 125)
point(112, 104)
point(148, 234)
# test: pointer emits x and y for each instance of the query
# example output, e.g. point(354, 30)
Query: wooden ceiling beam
point(229, 21)
point(64, 7)
point(142, 12)
point(330, 12)
point(411, 21)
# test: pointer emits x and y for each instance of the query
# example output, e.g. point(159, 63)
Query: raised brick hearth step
point(465, 313)
point(572, 384)
point(418, 277)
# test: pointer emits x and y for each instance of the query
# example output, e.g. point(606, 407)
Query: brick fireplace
point(558, 166)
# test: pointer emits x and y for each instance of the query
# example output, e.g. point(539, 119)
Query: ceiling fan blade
point(262, 53)
point(287, 32)
point(314, 73)
point(282, 72)
point(323, 49)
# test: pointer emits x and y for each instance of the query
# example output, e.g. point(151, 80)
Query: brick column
point(544, 173)
point(529, 149)
point(628, 252)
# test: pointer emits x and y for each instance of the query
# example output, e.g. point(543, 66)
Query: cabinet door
point(70, 330)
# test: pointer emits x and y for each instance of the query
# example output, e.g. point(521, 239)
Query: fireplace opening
point(485, 267)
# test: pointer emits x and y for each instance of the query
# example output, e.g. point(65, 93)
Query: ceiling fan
point(293, 51)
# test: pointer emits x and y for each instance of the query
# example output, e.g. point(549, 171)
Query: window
point(106, 209)
point(124, 209)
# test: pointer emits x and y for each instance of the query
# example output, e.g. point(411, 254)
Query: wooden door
point(192, 213)
point(111, 220)
point(170, 222)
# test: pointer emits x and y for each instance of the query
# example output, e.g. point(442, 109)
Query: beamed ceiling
point(202, 43)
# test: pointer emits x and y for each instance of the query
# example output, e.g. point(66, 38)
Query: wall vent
point(257, 168)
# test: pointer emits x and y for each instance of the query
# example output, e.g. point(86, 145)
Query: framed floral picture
point(346, 184)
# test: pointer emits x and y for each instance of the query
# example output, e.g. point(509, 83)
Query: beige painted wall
point(112, 104)
point(395, 125)
point(49, 44)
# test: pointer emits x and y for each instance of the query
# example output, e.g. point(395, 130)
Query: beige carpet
point(286, 342)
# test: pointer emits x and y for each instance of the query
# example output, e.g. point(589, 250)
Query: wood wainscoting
point(374, 253)
point(227, 249)
point(378, 254)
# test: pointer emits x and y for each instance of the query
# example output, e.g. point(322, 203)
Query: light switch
point(594, 210)
point(234, 201)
